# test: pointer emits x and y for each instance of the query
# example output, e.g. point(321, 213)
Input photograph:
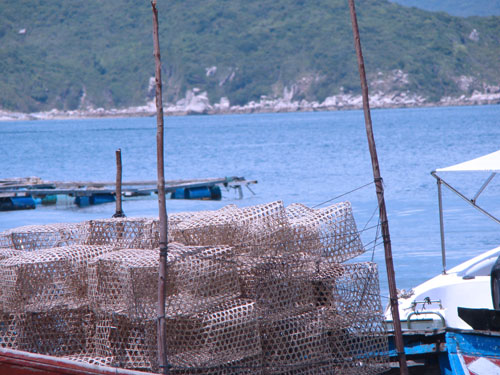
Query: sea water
point(310, 158)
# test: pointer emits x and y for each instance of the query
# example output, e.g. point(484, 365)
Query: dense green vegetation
point(100, 52)
point(462, 8)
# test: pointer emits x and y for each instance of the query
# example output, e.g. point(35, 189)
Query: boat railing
point(408, 319)
point(427, 301)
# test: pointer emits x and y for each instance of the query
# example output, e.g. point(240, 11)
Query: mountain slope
point(79, 54)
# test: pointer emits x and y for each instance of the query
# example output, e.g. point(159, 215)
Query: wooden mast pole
point(162, 272)
point(380, 195)
point(118, 187)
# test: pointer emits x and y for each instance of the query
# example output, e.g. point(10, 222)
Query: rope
point(340, 196)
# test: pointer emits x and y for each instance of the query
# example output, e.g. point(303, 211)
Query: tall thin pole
point(380, 195)
point(118, 187)
point(162, 272)
point(441, 224)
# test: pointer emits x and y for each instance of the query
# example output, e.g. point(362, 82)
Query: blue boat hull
point(473, 352)
point(450, 352)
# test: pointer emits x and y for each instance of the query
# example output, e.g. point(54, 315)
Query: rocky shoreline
point(197, 103)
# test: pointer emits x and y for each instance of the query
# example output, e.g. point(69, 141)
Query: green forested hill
point(69, 54)
point(462, 8)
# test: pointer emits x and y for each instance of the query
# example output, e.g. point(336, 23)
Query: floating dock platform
point(25, 192)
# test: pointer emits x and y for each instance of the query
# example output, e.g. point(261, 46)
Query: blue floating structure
point(102, 198)
point(17, 203)
point(201, 192)
point(82, 201)
point(90, 200)
point(36, 191)
point(215, 193)
point(179, 193)
point(49, 200)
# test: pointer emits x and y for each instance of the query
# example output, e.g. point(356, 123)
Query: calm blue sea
point(296, 157)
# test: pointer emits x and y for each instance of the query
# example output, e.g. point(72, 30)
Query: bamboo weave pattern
point(256, 290)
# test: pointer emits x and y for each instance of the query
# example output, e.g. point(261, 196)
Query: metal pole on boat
point(162, 272)
point(118, 187)
point(398, 335)
point(441, 222)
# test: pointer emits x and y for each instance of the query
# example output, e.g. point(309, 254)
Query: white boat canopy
point(486, 163)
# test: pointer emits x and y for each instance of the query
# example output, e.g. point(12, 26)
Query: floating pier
point(24, 192)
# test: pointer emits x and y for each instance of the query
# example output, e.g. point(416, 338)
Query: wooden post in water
point(380, 195)
point(118, 186)
point(162, 210)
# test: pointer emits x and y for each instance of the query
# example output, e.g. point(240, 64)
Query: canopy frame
point(472, 201)
point(481, 189)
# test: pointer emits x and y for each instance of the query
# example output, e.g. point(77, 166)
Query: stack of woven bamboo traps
point(255, 290)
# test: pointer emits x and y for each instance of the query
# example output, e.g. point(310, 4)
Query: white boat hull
point(433, 304)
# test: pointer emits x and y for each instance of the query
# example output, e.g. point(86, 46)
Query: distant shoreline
point(199, 105)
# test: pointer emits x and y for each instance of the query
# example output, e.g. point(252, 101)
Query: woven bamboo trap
point(43, 279)
point(121, 233)
point(256, 290)
point(36, 237)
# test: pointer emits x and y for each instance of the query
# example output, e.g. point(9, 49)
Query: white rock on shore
point(196, 102)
